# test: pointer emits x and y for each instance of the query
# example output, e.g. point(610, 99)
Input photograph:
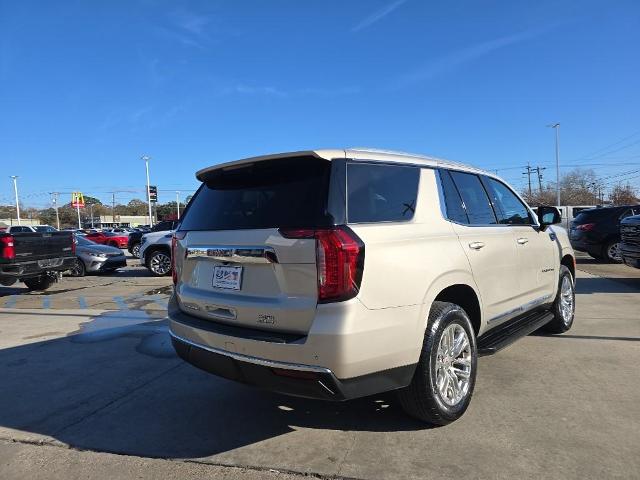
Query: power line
point(618, 142)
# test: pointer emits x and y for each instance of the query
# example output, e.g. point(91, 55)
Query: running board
point(500, 337)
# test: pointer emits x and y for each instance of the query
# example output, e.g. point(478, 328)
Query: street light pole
point(15, 189)
point(556, 127)
point(178, 205)
point(55, 205)
point(146, 159)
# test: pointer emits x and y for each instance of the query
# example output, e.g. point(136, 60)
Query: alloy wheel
point(566, 300)
point(160, 263)
point(613, 252)
point(453, 365)
point(135, 250)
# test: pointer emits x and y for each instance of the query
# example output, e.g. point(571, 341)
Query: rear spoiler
point(326, 155)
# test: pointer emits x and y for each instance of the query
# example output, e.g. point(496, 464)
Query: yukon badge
point(267, 319)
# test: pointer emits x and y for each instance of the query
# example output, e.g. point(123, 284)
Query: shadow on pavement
point(607, 285)
point(116, 386)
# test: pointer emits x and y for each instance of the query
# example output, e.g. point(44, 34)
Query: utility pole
point(113, 208)
point(54, 200)
point(91, 209)
point(15, 189)
point(538, 171)
point(178, 205)
point(556, 127)
point(528, 174)
point(146, 159)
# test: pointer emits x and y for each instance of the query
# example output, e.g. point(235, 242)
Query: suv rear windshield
point(595, 214)
point(290, 192)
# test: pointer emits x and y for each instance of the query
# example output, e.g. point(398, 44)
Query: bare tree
point(623, 195)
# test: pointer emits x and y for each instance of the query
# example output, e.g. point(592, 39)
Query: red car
point(108, 238)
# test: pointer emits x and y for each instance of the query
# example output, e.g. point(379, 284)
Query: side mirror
point(548, 216)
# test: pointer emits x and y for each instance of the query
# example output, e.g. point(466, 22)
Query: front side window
point(381, 193)
point(509, 208)
point(474, 196)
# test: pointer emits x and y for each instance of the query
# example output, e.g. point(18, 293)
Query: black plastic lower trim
point(318, 385)
point(504, 335)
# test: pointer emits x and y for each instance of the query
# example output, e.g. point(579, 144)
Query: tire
point(135, 250)
point(39, 283)
point(79, 269)
point(564, 306)
point(423, 398)
point(159, 263)
point(611, 252)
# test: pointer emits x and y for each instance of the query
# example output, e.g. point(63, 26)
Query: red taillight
point(7, 250)
point(74, 241)
point(585, 227)
point(339, 261)
point(174, 244)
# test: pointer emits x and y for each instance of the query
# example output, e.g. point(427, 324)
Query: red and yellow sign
point(77, 200)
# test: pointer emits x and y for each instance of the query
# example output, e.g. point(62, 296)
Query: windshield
point(83, 242)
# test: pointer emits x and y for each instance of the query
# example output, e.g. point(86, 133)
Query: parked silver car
point(94, 258)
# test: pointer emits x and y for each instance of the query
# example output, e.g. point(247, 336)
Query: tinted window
point(626, 213)
point(475, 198)
point(162, 226)
point(288, 192)
point(381, 193)
point(594, 215)
point(510, 209)
point(453, 202)
point(83, 242)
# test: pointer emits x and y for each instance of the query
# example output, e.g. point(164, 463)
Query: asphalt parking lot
point(90, 388)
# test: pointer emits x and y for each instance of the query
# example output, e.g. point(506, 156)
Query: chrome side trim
point(255, 360)
point(225, 253)
point(521, 309)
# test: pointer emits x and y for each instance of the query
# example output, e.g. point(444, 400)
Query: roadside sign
point(153, 193)
point(77, 200)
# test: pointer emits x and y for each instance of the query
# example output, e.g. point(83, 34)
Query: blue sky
point(86, 87)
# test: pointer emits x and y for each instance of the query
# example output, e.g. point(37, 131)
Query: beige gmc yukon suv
point(336, 274)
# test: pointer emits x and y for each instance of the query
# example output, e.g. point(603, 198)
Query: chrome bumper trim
point(234, 254)
point(255, 360)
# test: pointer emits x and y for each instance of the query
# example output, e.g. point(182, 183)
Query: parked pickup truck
point(35, 258)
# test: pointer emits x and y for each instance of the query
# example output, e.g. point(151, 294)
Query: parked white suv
point(337, 274)
point(155, 252)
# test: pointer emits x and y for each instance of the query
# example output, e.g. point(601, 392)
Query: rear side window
point(289, 192)
point(475, 198)
point(510, 210)
point(592, 215)
point(381, 193)
point(453, 202)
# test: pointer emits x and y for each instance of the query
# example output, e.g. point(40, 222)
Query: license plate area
point(49, 262)
point(229, 278)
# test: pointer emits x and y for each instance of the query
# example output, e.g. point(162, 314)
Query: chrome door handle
point(522, 241)
point(476, 245)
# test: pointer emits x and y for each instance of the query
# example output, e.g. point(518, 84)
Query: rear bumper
point(33, 269)
point(585, 245)
point(336, 360)
point(287, 378)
